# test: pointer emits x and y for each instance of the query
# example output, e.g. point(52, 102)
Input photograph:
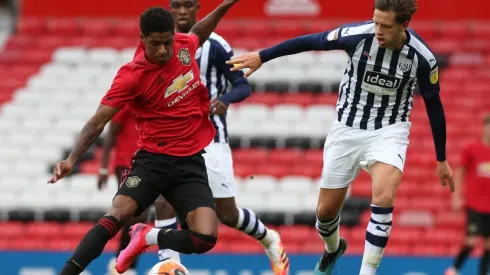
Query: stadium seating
point(63, 67)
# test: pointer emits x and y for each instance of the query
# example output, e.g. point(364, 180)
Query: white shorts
point(348, 149)
point(219, 164)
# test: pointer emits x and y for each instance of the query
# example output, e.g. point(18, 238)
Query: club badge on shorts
point(132, 181)
point(184, 56)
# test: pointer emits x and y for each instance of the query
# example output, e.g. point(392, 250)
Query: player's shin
point(251, 225)
point(91, 245)
point(377, 234)
point(164, 253)
point(329, 232)
point(183, 241)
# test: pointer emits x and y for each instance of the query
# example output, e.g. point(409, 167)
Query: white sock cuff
point(164, 223)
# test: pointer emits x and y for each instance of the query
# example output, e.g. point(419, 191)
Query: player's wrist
point(103, 171)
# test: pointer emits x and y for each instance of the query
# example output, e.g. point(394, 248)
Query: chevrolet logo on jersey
point(179, 83)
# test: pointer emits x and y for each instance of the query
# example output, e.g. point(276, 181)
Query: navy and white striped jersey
point(378, 84)
point(217, 77)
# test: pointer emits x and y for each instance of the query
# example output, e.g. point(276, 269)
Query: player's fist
point(101, 183)
point(248, 60)
point(445, 174)
point(218, 107)
point(61, 170)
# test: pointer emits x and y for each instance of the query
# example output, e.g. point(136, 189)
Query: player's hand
point(445, 174)
point(218, 107)
point(249, 60)
point(61, 170)
point(231, 1)
point(101, 183)
point(457, 202)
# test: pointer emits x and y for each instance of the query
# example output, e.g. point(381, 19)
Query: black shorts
point(120, 170)
point(183, 181)
point(477, 223)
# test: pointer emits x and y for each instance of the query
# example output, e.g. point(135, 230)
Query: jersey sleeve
point(195, 41)
point(123, 89)
point(121, 116)
point(348, 36)
point(224, 52)
point(428, 76)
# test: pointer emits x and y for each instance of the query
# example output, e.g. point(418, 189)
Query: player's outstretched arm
point(92, 129)
point(305, 43)
point(206, 26)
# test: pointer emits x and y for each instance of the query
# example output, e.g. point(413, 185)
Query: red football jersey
point(170, 102)
point(126, 143)
point(476, 161)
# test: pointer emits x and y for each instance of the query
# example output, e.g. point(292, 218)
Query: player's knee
point(383, 199)
point(123, 208)
point(163, 209)
point(202, 243)
point(326, 211)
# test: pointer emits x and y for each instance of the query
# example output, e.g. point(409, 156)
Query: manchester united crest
point(184, 56)
point(133, 181)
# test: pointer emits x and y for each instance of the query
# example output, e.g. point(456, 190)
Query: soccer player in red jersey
point(475, 170)
point(162, 86)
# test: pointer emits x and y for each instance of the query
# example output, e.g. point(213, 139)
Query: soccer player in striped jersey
point(225, 87)
point(386, 60)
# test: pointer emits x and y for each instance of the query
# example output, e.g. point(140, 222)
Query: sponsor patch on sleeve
point(434, 75)
point(333, 35)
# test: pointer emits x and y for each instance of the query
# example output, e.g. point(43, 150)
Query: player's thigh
point(341, 156)
point(219, 166)
point(190, 193)
point(163, 209)
point(140, 182)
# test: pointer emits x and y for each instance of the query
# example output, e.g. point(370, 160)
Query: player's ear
point(405, 25)
point(142, 36)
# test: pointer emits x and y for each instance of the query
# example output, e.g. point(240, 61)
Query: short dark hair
point(404, 9)
point(156, 19)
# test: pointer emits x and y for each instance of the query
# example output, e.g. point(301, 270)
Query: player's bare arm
point(114, 129)
point(89, 133)
point(457, 199)
point(206, 26)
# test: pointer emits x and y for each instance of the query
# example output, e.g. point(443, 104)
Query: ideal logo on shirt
point(379, 83)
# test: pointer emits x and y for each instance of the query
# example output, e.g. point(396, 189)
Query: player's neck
point(402, 42)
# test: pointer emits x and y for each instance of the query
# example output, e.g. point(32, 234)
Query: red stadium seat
point(97, 27)
point(31, 26)
point(267, 98)
point(75, 230)
point(286, 157)
point(64, 26)
point(289, 29)
point(301, 99)
point(12, 230)
point(35, 57)
point(44, 230)
point(127, 28)
point(250, 156)
point(314, 157)
point(230, 29)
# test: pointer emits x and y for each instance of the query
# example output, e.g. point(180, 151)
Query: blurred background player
point(217, 77)
point(475, 174)
point(123, 138)
point(371, 131)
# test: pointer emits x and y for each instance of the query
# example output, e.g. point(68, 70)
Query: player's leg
point(133, 197)
point(341, 157)
point(385, 157)
point(190, 196)
point(125, 238)
point(471, 240)
point(219, 165)
point(165, 219)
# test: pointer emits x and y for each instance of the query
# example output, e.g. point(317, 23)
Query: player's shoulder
point(357, 28)
point(183, 39)
point(218, 41)
point(421, 47)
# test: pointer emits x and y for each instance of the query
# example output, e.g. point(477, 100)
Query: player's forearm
point(437, 119)
point(310, 42)
point(87, 136)
point(206, 26)
point(238, 94)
